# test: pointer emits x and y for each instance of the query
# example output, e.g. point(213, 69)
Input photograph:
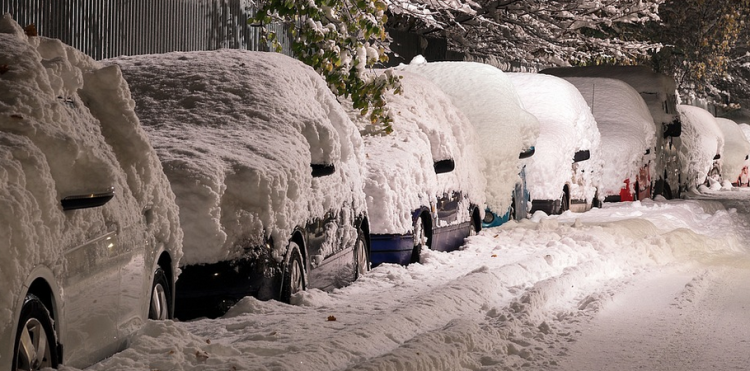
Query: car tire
point(420, 240)
point(36, 342)
point(293, 280)
point(161, 296)
point(662, 188)
point(361, 256)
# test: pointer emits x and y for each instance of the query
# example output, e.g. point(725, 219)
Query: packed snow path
point(652, 285)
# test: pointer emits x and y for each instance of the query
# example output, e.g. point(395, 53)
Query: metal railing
point(110, 28)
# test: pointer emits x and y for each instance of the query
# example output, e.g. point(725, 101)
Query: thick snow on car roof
point(654, 87)
point(401, 177)
point(745, 130)
point(566, 126)
point(236, 132)
point(625, 125)
point(701, 140)
point(736, 149)
point(67, 127)
point(504, 129)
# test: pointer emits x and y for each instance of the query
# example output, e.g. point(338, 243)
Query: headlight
point(488, 217)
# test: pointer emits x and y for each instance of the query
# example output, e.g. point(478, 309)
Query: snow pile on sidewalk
point(67, 128)
point(504, 128)
point(511, 298)
point(237, 132)
point(401, 176)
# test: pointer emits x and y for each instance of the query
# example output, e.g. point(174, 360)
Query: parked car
point(423, 184)
point(627, 137)
point(506, 132)
point(734, 161)
point(702, 146)
point(89, 227)
point(659, 93)
point(267, 170)
point(568, 139)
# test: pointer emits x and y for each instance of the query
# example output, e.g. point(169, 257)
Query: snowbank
point(566, 126)
point(701, 141)
point(67, 127)
point(401, 177)
point(625, 125)
point(504, 129)
point(515, 297)
point(236, 132)
point(736, 150)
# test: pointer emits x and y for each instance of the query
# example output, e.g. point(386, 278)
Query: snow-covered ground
point(651, 284)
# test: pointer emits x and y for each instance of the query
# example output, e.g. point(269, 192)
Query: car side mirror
point(582, 156)
point(319, 170)
point(673, 129)
point(87, 200)
point(527, 153)
point(444, 166)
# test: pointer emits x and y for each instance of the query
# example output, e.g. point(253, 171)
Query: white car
point(659, 93)
point(702, 146)
point(734, 160)
point(568, 139)
point(627, 137)
point(505, 130)
point(89, 228)
point(267, 170)
point(423, 184)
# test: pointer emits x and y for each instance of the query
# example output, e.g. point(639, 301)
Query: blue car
point(423, 182)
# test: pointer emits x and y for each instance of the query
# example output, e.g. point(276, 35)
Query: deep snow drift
point(515, 296)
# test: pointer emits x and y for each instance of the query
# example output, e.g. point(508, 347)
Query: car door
point(91, 295)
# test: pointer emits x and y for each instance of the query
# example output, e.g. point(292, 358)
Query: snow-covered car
point(734, 159)
point(568, 139)
point(89, 227)
point(267, 171)
point(505, 130)
point(659, 93)
point(627, 137)
point(702, 146)
point(423, 184)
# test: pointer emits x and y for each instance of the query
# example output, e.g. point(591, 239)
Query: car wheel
point(36, 345)
point(475, 226)
point(361, 256)
point(161, 295)
point(420, 240)
point(564, 203)
point(662, 188)
point(293, 280)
